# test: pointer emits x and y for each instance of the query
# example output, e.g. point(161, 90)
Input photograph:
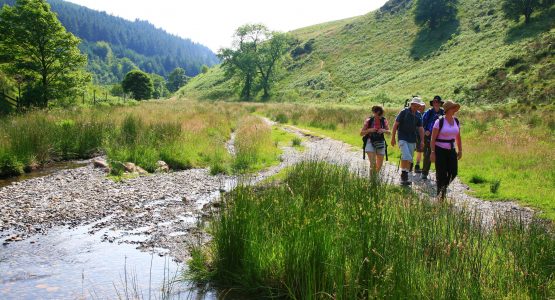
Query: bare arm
point(459, 146)
point(421, 132)
point(435, 133)
point(365, 130)
point(394, 134)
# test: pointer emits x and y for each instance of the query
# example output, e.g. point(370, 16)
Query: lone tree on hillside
point(139, 84)
point(177, 79)
point(255, 58)
point(434, 13)
point(35, 45)
point(514, 9)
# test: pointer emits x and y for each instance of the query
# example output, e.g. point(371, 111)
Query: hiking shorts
point(407, 150)
point(371, 149)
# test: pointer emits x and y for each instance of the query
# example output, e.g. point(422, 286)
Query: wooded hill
point(383, 56)
point(115, 46)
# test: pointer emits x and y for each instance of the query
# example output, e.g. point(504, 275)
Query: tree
point(204, 69)
point(241, 60)
point(255, 58)
point(139, 84)
point(434, 13)
point(38, 47)
point(160, 87)
point(270, 55)
point(177, 79)
point(514, 9)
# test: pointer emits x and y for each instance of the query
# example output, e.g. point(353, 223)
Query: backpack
point(367, 138)
point(441, 122)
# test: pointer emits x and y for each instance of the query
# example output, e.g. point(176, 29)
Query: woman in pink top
point(445, 134)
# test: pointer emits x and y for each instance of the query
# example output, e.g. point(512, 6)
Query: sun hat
point(417, 100)
point(438, 98)
point(450, 104)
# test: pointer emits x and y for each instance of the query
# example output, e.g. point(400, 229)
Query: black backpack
point(367, 138)
point(441, 122)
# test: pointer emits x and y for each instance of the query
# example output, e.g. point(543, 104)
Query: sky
point(212, 22)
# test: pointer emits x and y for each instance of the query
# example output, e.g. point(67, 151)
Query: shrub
point(494, 186)
point(296, 142)
point(9, 165)
point(281, 118)
point(477, 179)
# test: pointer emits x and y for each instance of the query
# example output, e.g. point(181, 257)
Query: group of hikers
point(431, 133)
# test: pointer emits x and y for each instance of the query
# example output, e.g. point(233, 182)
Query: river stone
point(141, 171)
point(162, 167)
point(130, 167)
point(100, 163)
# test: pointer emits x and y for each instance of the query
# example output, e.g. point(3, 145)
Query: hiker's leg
point(407, 152)
point(427, 161)
point(372, 160)
point(441, 171)
point(453, 165)
point(379, 162)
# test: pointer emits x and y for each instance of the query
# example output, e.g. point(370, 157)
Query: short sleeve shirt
point(448, 132)
point(409, 123)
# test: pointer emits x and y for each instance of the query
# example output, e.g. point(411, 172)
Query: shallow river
point(73, 264)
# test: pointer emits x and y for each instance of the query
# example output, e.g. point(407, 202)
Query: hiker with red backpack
point(375, 145)
point(446, 132)
point(428, 121)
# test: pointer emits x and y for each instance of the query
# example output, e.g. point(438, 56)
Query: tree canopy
point(254, 58)
point(36, 48)
point(434, 13)
point(177, 79)
point(139, 84)
point(514, 9)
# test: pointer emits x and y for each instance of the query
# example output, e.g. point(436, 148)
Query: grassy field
point(480, 58)
point(508, 145)
point(184, 134)
point(327, 233)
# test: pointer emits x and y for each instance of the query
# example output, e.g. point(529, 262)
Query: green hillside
point(384, 57)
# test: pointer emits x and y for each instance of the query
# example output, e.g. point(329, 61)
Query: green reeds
point(327, 233)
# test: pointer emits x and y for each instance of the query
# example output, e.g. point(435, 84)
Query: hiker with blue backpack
point(446, 133)
point(408, 123)
point(428, 121)
point(374, 143)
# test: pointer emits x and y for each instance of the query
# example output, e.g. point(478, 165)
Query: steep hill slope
point(384, 57)
point(114, 45)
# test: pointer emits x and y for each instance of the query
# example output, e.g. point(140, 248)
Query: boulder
point(162, 167)
point(100, 163)
point(141, 171)
point(130, 167)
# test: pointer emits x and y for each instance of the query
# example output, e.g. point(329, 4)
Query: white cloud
point(212, 22)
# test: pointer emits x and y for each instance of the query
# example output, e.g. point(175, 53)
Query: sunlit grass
point(325, 232)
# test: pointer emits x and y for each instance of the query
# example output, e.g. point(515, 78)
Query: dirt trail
point(162, 212)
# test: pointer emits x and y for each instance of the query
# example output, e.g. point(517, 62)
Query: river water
point(73, 264)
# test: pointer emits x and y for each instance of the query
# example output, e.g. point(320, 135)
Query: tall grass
point(327, 233)
point(183, 134)
point(254, 145)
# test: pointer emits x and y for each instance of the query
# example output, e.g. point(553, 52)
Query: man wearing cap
point(409, 124)
point(430, 117)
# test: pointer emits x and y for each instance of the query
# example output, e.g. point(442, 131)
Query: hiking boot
point(405, 178)
point(411, 165)
point(417, 169)
point(424, 176)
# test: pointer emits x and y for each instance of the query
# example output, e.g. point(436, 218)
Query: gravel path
point(162, 212)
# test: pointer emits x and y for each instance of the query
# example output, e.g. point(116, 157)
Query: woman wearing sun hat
point(446, 132)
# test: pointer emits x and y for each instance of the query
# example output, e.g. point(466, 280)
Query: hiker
point(419, 149)
point(446, 132)
point(373, 130)
point(408, 123)
point(428, 121)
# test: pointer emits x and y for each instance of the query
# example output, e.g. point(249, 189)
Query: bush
point(296, 142)
point(9, 165)
point(281, 118)
point(477, 179)
point(494, 186)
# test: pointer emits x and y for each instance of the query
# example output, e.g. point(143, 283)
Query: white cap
point(417, 100)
